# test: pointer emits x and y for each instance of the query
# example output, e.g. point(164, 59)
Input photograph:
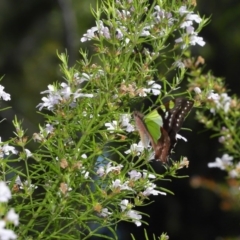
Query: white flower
point(161, 14)
point(222, 101)
point(100, 28)
point(112, 126)
point(104, 213)
point(5, 193)
point(183, 10)
point(6, 234)
point(28, 185)
point(190, 30)
point(28, 153)
point(213, 96)
point(145, 31)
point(124, 204)
point(12, 217)
point(49, 128)
point(77, 94)
point(134, 216)
point(125, 122)
point(6, 149)
point(225, 102)
point(109, 168)
point(197, 90)
point(179, 64)
point(143, 92)
point(117, 184)
point(124, 119)
point(65, 91)
point(84, 77)
point(193, 17)
point(5, 96)
point(147, 174)
point(134, 175)
point(85, 173)
point(186, 24)
point(151, 191)
point(189, 16)
point(115, 169)
point(89, 35)
point(101, 171)
point(154, 87)
point(135, 149)
point(221, 163)
point(179, 40)
point(49, 102)
point(56, 96)
point(119, 34)
point(197, 40)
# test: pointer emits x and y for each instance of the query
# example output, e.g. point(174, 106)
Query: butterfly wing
point(162, 147)
point(148, 127)
point(141, 127)
point(173, 117)
point(172, 122)
point(153, 121)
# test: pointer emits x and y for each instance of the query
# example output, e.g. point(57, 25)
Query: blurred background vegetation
point(31, 34)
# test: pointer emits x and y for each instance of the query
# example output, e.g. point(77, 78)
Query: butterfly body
point(164, 126)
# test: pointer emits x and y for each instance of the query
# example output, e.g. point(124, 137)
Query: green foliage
point(87, 173)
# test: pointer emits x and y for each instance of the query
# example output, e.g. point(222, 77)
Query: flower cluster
point(56, 96)
point(138, 183)
point(105, 170)
point(190, 36)
point(222, 163)
point(27, 186)
point(133, 90)
point(221, 101)
point(123, 124)
point(160, 16)
point(128, 213)
point(226, 163)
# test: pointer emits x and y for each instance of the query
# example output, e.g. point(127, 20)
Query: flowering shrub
point(221, 115)
point(90, 167)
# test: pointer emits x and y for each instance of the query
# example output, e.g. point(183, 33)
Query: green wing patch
point(153, 122)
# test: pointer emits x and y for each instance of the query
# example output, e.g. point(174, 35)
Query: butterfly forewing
point(174, 117)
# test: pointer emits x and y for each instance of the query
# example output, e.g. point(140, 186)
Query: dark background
point(32, 31)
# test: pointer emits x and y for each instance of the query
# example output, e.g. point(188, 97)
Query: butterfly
point(160, 127)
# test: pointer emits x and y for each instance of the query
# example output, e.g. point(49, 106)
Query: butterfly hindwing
point(153, 122)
